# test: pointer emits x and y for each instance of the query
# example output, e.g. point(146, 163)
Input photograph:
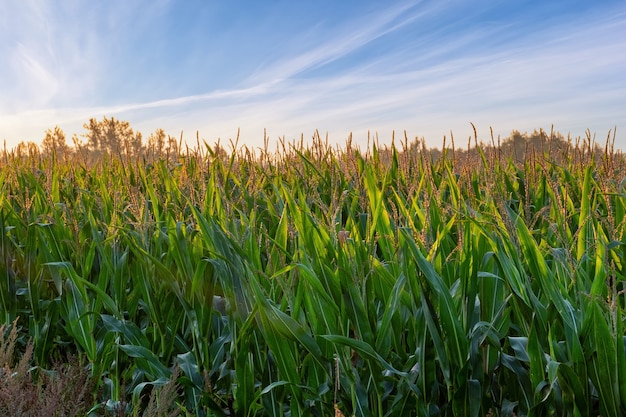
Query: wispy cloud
point(47, 62)
point(351, 36)
point(41, 82)
point(59, 54)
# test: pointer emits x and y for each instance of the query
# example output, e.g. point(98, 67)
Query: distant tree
point(112, 136)
point(133, 145)
point(156, 143)
point(93, 135)
point(520, 145)
point(53, 144)
point(515, 144)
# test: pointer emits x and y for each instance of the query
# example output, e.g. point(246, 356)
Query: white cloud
point(39, 82)
point(352, 36)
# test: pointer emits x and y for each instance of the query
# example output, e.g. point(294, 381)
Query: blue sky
point(427, 67)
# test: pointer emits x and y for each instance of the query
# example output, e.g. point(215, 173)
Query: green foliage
point(316, 281)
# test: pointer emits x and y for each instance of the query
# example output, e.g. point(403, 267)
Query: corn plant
point(315, 280)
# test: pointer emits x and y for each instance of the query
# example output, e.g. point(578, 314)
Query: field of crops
point(314, 281)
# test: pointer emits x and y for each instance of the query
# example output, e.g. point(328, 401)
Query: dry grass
point(162, 402)
point(64, 391)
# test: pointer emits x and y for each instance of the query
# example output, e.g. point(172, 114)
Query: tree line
point(116, 138)
point(106, 137)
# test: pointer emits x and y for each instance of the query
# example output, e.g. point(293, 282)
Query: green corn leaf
point(539, 269)
point(621, 356)
point(284, 353)
point(456, 341)
point(384, 336)
point(537, 363)
point(80, 318)
point(520, 347)
point(147, 361)
point(286, 326)
point(437, 338)
point(571, 383)
point(244, 393)
point(364, 350)
point(469, 402)
point(599, 287)
point(188, 365)
point(584, 221)
point(602, 362)
point(131, 332)
point(140, 387)
point(357, 313)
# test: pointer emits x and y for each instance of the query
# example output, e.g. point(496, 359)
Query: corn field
point(321, 281)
